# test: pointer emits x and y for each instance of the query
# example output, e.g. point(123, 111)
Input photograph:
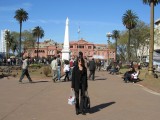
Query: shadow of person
point(35, 82)
point(42, 81)
point(100, 107)
point(100, 79)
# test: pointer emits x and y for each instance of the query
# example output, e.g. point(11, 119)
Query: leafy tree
point(129, 20)
point(151, 3)
point(20, 15)
point(14, 46)
point(122, 45)
point(157, 36)
point(38, 32)
point(28, 40)
point(115, 35)
point(139, 38)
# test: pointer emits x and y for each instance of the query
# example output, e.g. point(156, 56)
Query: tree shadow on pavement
point(98, 108)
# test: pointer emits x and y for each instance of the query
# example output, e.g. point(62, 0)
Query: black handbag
point(87, 101)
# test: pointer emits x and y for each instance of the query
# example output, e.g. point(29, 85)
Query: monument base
point(65, 54)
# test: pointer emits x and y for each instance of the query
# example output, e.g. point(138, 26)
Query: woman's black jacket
point(79, 82)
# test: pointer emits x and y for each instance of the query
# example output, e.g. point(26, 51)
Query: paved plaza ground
point(111, 99)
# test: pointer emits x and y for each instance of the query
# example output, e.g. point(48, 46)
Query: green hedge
point(35, 65)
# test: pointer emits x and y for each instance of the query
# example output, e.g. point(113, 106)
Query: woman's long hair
point(82, 61)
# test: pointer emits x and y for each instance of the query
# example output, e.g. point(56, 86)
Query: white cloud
point(26, 6)
point(43, 21)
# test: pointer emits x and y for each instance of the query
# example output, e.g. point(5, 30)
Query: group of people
point(79, 83)
point(76, 71)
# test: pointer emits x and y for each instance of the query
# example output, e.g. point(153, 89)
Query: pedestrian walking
point(54, 69)
point(92, 68)
point(58, 67)
point(66, 70)
point(25, 70)
point(99, 65)
point(71, 64)
point(80, 85)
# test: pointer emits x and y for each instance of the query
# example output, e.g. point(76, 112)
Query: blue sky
point(95, 17)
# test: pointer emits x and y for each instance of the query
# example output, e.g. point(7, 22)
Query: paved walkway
point(111, 99)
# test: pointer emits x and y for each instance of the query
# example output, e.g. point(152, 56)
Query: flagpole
point(78, 37)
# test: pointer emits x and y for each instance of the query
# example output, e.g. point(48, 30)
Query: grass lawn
point(153, 84)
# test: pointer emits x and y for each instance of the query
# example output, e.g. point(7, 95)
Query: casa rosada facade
point(50, 48)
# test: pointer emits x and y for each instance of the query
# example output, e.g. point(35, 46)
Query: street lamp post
point(108, 36)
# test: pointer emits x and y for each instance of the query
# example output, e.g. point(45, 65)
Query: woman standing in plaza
point(79, 84)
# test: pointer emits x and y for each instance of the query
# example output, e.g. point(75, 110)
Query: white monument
point(66, 50)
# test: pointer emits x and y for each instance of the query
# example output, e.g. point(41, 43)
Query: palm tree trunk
point(20, 55)
point(136, 49)
point(8, 51)
point(116, 51)
point(128, 47)
point(38, 47)
point(151, 43)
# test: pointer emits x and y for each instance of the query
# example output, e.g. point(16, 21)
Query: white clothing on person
point(135, 75)
point(66, 68)
point(54, 64)
point(25, 64)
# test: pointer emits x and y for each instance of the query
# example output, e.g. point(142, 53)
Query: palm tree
point(38, 32)
point(129, 20)
point(152, 3)
point(8, 39)
point(20, 15)
point(115, 35)
point(14, 47)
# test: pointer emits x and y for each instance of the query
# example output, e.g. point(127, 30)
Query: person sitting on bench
point(134, 76)
point(127, 75)
point(115, 69)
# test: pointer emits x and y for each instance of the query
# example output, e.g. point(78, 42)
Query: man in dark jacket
point(92, 67)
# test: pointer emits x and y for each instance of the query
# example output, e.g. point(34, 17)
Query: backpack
point(59, 62)
point(71, 63)
point(86, 103)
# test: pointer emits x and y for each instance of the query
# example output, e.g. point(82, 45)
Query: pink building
point(50, 48)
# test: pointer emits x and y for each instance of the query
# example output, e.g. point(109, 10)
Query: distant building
point(3, 47)
point(157, 35)
point(49, 48)
point(91, 50)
